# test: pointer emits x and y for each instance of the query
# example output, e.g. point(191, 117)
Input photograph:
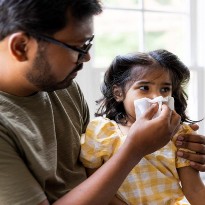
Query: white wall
point(89, 79)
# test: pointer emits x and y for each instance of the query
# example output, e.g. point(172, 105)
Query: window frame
point(93, 76)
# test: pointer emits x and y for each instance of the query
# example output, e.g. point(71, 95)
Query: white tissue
point(141, 105)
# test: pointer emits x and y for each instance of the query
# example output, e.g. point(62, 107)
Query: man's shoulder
point(72, 90)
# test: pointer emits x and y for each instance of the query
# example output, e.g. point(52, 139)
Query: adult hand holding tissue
point(141, 105)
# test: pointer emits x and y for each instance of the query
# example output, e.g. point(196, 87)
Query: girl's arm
point(192, 185)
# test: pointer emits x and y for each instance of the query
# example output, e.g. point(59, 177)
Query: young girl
point(161, 177)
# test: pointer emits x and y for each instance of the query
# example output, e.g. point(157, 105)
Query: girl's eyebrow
point(142, 82)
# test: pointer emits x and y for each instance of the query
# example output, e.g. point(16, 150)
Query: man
point(43, 44)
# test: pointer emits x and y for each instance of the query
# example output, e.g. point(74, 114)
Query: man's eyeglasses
point(82, 51)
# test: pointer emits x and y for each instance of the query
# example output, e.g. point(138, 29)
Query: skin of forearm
point(104, 183)
point(117, 201)
point(192, 185)
point(198, 198)
point(195, 193)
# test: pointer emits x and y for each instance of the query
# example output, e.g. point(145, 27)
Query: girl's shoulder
point(102, 125)
point(184, 129)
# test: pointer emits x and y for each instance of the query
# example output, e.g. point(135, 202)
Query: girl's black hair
point(119, 73)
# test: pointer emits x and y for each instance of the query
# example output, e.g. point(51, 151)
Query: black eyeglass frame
point(88, 44)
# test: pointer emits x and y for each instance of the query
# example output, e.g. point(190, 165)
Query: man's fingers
point(166, 112)
point(151, 111)
point(195, 143)
point(196, 147)
point(183, 138)
point(175, 121)
point(198, 166)
point(194, 127)
point(173, 117)
point(191, 156)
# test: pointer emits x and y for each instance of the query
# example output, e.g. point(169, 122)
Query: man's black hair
point(42, 16)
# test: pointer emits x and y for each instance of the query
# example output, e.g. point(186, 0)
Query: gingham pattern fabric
point(154, 181)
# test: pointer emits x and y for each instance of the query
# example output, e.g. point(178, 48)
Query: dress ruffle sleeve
point(100, 141)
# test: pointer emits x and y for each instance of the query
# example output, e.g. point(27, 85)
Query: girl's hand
point(196, 143)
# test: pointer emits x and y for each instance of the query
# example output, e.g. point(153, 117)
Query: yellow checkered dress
point(153, 181)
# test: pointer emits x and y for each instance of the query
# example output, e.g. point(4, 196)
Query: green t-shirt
point(40, 145)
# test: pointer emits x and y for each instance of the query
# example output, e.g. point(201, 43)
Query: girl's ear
point(117, 93)
point(18, 43)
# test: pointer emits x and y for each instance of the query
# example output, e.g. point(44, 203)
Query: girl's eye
point(166, 89)
point(144, 88)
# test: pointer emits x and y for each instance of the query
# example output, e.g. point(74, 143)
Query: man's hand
point(148, 135)
point(196, 143)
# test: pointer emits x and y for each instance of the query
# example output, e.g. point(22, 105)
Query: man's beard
point(40, 74)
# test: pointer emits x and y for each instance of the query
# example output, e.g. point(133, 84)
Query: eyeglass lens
point(86, 48)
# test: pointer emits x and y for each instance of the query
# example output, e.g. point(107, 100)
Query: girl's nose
point(154, 95)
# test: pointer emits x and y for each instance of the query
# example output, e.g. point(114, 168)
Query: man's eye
point(82, 46)
point(144, 88)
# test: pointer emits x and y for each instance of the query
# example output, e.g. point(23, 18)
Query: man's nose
point(84, 58)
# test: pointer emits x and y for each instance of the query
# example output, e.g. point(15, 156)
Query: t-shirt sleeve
point(84, 107)
point(18, 186)
point(100, 141)
point(81, 103)
point(184, 129)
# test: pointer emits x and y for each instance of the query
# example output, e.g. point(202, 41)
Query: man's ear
point(118, 93)
point(18, 44)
